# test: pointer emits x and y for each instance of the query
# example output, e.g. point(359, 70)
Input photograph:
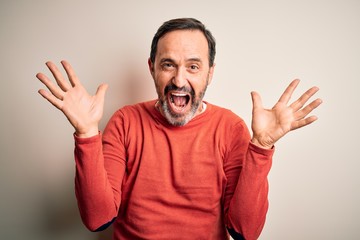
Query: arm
point(246, 168)
point(98, 200)
point(100, 167)
point(249, 204)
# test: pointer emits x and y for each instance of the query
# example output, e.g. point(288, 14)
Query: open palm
point(269, 125)
point(81, 109)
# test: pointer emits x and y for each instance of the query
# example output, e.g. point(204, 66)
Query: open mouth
point(179, 101)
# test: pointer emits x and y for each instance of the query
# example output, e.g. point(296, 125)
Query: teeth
point(176, 94)
point(179, 94)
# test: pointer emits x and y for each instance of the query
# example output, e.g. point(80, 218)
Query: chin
point(176, 119)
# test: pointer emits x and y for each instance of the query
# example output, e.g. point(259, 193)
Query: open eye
point(194, 68)
point(167, 66)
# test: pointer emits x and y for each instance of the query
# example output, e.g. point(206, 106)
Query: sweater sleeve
point(100, 167)
point(247, 168)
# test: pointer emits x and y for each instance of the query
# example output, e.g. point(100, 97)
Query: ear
point(211, 73)
point(151, 67)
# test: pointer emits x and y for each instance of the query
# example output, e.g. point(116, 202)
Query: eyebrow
point(194, 59)
point(167, 60)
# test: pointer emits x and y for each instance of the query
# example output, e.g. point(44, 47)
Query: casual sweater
point(158, 181)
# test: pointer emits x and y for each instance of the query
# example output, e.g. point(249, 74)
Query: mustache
point(173, 87)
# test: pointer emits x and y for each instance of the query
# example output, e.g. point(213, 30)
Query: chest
point(182, 161)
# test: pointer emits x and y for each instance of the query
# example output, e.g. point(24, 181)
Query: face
point(181, 73)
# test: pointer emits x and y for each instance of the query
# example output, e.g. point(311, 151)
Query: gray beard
point(176, 119)
point(181, 120)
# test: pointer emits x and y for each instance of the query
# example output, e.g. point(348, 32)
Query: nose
point(180, 77)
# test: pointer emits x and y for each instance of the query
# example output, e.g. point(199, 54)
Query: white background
point(261, 45)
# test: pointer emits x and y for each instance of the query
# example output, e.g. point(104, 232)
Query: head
point(181, 63)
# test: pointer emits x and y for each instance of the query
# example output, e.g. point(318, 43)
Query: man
point(177, 167)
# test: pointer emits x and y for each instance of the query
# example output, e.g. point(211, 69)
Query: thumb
point(256, 100)
point(101, 90)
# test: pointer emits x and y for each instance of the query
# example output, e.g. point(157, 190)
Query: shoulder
point(130, 117)
point(228, 125)
point(132, 113)
point(223, 114)
point(136, 109)
point(223, 120)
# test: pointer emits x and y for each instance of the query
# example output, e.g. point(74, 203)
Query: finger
point(70, 73)
point(306, 110)
point(51, 98)
point(285, 97)
point(100, 92)
point(256, 100)
point(303, 122)
point(58, 93)
point(64, 85)
point(303, 99)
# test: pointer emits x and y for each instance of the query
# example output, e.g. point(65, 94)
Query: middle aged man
point(176, 167)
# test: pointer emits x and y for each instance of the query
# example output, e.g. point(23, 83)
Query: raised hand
point(81, 109)
point(269, 125)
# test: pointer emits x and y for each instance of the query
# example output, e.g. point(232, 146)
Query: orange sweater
point(157, 181)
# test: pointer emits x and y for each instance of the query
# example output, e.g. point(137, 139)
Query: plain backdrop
point(261, 45)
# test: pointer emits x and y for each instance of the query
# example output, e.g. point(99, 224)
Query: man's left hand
point(269, 125)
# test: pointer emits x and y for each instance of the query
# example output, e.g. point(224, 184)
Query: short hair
point(184, 24)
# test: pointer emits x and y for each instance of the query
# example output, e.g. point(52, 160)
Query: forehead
point(182, 44)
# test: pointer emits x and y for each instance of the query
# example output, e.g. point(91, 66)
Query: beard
point(180, 119)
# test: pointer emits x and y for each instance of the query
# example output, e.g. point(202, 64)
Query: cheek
point(160, 83)
point(199, 84)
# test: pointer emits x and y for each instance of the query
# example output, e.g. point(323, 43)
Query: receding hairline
point(196, 57)
point(190, 24)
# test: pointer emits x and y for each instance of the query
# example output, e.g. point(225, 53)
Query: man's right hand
point(83, 111)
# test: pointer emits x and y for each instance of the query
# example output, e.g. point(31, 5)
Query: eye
point(194, 68)
point(167, 66)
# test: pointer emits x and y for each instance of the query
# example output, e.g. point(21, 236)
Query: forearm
point(249, 204)
point(94, 192)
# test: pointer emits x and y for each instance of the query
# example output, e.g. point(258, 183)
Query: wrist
point(87, 134)
point(262, 144)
